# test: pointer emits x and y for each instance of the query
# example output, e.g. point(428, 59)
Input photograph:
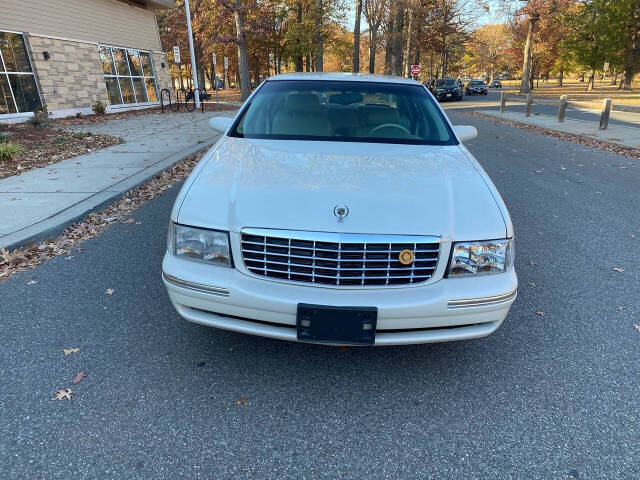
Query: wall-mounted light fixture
point(162, 64)
point(46, 55)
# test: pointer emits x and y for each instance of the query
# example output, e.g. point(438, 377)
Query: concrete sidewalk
point(615, 134)
point(40, 203)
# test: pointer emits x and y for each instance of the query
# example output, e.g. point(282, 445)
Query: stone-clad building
point(67, 54)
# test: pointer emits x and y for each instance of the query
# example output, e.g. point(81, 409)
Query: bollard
point(563, 108)
point(606, 111)
point(527, 111)
point(503, 101)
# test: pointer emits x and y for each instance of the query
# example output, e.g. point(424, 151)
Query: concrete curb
point(51, 227)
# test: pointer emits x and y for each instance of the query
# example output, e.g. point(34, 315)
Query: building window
point(128, 74)
point(18, 89)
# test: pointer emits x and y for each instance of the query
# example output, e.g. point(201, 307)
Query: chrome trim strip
point(198, 287)
point(337, 237)
point(481, 302)
point(263, 244)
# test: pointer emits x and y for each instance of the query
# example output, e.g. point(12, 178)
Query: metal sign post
point(215, 80)
point(226, 66)
point(194, 71)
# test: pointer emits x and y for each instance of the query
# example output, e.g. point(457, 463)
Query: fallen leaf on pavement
point(531, 284)
point(242, 401)
point(532, 263)
point(66, 393)
point(69, 351)
point(541, 313)
point(79, 377)
point(110, 291)
point(6, 256)
point(32, 282)
point(128, 220)
point(621, 307)
point(637, 327)
point(618, 269)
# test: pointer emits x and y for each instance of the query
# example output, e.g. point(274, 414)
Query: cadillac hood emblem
point(340, 211)
point(406, 257)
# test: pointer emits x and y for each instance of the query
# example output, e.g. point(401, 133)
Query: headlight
point(208, 246)
point(483, 257)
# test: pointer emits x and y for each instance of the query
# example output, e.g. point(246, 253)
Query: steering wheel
point(387, 125)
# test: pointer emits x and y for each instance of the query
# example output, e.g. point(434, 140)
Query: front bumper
point(446, 310)
point(454, 95)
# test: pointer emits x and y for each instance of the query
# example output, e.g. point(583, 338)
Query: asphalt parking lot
point(552, 394)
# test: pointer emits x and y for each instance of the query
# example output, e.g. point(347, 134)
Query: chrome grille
point(349, 260)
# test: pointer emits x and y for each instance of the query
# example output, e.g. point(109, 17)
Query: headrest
point(345, 98)
point(378, 116)
point(302, 102)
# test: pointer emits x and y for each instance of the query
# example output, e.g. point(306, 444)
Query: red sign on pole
point(415, 70)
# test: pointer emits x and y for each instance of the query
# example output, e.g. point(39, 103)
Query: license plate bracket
point(336, 324)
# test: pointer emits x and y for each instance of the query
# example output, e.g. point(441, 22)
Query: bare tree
point(319, 61)
point(356, 38)
point(374, 12)
point(241, 40)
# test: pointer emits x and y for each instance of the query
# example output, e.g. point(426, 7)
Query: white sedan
point(341, 209)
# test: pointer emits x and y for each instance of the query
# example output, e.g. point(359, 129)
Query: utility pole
point(194, 72)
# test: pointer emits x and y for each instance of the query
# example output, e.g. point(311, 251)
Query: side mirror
point(220, 124)
point(465, 132)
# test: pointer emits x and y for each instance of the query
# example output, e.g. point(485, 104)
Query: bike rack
point(188, 96)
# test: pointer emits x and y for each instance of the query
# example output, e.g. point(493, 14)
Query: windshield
point(344, 111)
point(445, 82)
point(477, 82)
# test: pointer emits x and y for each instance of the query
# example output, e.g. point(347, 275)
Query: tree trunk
point(388, 60)
point(298, 60)
point(407, 57)
point(243, 58)
point(614, 79)
point(625, 82)
point(592, 77)
point(560, 76)
point(356, 37)
point(372, 51)
point(307, 63)
point(319, 60)
point(443, 59)
point(396, 47)
point(525, 85)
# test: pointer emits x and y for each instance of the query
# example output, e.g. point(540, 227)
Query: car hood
point(388, 189)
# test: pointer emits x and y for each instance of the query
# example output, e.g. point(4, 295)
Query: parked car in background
point(476, 87)
point(360, 221)
point(496, 84)
point(446, 89)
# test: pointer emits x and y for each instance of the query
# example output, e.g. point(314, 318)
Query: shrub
point(4, 138)
point(99, 107)
point(8, 150)
point(41, 117)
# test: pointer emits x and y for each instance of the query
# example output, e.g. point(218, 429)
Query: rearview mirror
point(220, 124)
point(465, 132)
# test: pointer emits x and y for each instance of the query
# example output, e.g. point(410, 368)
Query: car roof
point(339, 76)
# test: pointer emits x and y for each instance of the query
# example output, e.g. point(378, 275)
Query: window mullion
point(13, 97)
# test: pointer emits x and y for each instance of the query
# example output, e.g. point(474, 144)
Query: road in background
point(552, 394)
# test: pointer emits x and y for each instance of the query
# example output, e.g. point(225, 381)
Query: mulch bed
point(579, 139)
point(22, 259)
point(48, 145)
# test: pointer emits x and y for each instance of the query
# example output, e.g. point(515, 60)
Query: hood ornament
point(341, 211)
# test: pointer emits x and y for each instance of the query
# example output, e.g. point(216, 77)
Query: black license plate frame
point(336, 325)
